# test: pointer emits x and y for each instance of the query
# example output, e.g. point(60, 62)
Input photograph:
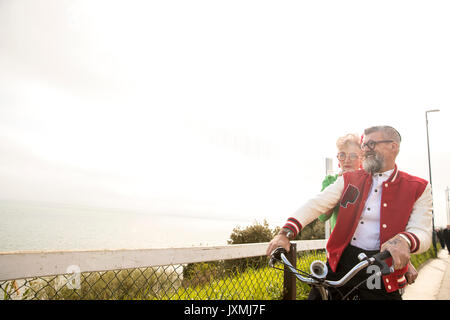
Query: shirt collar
point(383, 175)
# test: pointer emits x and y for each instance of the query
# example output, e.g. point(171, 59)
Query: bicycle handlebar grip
point(276, 255)
point(383, 255)
point(380, 257)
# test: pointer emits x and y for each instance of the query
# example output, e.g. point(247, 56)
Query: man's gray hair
point(388, 132)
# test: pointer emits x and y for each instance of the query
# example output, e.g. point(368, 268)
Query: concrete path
point(433, 281)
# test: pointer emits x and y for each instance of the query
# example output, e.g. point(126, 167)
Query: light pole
point(429, 170)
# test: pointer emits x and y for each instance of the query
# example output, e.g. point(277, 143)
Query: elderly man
point(381, 208)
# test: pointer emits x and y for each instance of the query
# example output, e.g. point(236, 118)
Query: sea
point(50, 227)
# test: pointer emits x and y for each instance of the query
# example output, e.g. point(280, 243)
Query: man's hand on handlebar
point(411, 274)
point(279, 240)
point(399, 250)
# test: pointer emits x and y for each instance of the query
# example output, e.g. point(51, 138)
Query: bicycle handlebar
point(380, 257)
point(383, 255)
point(279, 254)
point(276, 255)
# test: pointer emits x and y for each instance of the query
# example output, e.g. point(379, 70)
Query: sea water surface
point(31, 226)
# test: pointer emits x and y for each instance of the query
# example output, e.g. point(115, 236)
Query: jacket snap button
point(385, 204)
point(384, 226)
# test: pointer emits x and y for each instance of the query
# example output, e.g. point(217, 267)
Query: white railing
point(27, 264)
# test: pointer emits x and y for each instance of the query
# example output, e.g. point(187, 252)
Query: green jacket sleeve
point(329, 179)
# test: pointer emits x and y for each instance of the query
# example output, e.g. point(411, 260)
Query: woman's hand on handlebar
point(279, 240)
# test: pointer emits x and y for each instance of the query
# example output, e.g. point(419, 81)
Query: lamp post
point(429, 170)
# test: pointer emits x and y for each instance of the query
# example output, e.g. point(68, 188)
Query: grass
point(252, 283)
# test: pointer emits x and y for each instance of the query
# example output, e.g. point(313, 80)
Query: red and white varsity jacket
point(406, 208)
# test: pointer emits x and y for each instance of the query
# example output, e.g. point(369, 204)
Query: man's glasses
point(342, 156)
point(371, 144)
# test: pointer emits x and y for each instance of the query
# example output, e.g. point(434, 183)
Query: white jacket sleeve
point(419, 229)
point(313, 208)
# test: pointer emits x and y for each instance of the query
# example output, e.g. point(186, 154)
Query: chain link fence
point(235, 279)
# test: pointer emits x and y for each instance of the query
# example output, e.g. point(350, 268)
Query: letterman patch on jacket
point(350, 195)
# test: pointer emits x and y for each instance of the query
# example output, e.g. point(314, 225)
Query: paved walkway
point(433, 281)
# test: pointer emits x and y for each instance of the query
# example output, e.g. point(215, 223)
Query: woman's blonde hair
point(348, 140)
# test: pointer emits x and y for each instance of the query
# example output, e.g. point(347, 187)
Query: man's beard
point(373, 162)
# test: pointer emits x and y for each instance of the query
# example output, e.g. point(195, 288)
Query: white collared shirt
point(367, 233)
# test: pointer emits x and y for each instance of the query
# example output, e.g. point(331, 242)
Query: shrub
point(255, 233)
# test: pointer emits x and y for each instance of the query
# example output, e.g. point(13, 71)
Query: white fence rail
point(21, 265)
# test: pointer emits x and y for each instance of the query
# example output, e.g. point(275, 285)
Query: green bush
point(313, 231)
point(418, 260)
point(255, 233)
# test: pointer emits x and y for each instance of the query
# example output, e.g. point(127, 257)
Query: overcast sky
point(213, 108)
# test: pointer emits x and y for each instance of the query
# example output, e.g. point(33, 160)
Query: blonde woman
point(349, 157)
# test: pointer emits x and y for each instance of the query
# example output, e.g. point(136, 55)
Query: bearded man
point(381, 208)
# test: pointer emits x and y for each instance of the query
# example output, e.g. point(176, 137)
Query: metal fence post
point(289, 285)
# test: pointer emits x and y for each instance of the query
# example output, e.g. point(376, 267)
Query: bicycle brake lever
point(272, 262)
